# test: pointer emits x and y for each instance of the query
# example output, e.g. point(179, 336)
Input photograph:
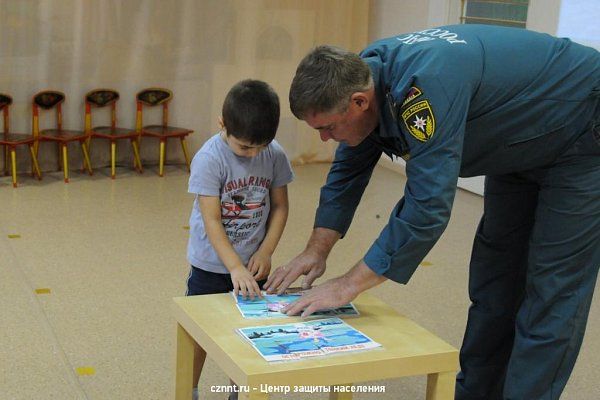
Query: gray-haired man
point(521, 108)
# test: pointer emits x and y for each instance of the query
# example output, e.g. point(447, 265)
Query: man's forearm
point(360, 278)
point(322, 241)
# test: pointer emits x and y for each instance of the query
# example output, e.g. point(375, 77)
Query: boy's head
point(251, 113)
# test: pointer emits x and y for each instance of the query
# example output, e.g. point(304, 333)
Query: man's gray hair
point(325, 79)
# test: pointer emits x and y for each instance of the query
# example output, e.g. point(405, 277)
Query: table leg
point(333, 395)
point(440, 386)
point(199, 358)
point(184, 367)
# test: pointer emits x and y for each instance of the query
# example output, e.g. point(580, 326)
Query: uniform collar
point(387, 134)
point(386, 119)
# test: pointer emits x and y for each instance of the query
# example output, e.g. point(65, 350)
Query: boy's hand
point(244, 283)
point(259, 265)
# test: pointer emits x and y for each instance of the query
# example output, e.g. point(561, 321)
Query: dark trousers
point(204, 282)
point(532, 276)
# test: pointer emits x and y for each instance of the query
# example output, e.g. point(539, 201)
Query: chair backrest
point(47, 99)
point(153, 97)
point(5, 102)
point(101, 98)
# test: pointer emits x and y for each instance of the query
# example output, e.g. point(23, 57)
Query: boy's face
point(241, 147)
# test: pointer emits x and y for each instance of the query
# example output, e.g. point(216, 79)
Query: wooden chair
point(11, 140)
point(154, 97)
point(102, 98)
point(47, 100)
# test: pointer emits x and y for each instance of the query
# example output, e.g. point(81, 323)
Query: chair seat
point(164, 131)
point(16, 138)
point(62, 135)
point(108, 132)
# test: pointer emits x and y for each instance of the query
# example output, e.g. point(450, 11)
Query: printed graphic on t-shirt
point(242, 206)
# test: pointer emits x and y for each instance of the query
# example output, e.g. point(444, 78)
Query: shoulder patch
point(412, 94)
point(419, 120)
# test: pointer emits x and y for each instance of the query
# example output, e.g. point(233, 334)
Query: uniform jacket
point(454, 101)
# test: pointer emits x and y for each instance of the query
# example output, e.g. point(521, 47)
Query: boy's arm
point(243, 282)
point(260, 264)
point(277, 219)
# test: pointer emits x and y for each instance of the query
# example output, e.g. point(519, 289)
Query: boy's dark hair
point(251, 112)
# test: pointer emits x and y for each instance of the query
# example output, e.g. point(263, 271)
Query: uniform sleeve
point(205, 176)
point(348, 176)
point(420, 217)
point(283, 173)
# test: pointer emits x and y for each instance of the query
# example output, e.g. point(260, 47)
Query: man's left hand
point(336, 292)
point(331, 294)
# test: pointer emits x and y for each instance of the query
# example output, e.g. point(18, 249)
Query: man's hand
point(259, 265)
point(307, 263)
point(311, 262)
point(244, 283)
point(336, 292)
point(331, 294)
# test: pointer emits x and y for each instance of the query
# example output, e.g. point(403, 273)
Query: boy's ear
point(221, 123)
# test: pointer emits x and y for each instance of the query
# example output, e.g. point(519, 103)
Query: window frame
point(502, 22)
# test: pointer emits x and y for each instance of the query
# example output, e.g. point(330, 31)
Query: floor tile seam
point(42, 317)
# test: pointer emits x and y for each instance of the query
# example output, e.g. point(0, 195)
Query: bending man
point(517, 106)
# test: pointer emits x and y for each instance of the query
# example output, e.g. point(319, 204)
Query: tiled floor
point(87, 271)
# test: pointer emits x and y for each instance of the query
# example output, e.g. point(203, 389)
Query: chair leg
point(161, 157)
point(88, 143)
point(86, 158)
point(36, 166)
point(185, 153)
point(137, 162)
point(113, 156)
point(36, 146)
point(65, 159)
point(166, 148)
point(13, 158)
point(6, 162)
point(60, 155)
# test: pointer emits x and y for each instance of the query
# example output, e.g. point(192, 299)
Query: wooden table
point(210, 322)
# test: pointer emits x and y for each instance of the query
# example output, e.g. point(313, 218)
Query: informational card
point(299, 340)
point(270, 306)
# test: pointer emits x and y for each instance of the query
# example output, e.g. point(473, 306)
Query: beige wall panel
point(197, 48)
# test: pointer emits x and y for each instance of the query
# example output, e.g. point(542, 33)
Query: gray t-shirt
point(242, 184)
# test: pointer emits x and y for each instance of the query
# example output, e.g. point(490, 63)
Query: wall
point(542, 15)
point(197, 48)
point(580, 21)
point(391, 17)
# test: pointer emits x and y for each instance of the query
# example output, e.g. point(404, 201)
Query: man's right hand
point(308, 263)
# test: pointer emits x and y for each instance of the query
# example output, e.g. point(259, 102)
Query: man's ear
point(360, 99)
point(221, 123)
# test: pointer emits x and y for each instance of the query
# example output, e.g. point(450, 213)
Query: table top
point(407, 348)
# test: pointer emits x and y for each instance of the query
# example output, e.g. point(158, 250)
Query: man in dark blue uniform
point(520, 107)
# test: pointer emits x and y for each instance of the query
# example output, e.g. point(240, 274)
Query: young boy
point(240, 178)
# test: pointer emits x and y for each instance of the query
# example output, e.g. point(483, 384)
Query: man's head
point(333, 92)
point(250, 116)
